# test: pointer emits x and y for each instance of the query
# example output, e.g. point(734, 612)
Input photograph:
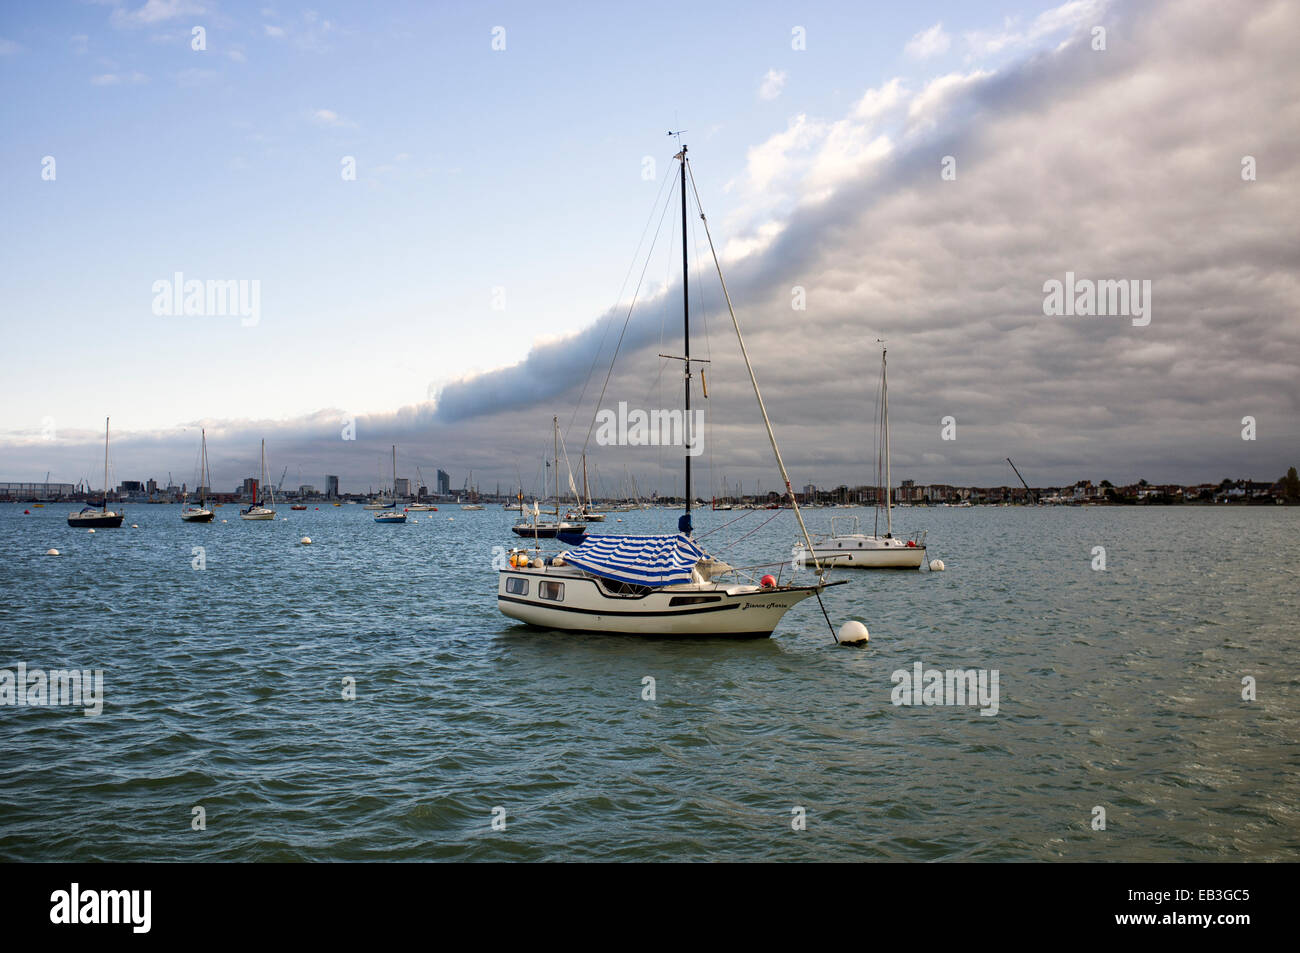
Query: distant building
point(39, 491)
point(248, 490)
point(332, 487)
point(402, 486)
point(444, 483)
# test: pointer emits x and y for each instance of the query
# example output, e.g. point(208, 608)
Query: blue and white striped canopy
point(641, 560)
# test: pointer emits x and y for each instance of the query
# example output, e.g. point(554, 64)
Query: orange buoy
point(767, 582)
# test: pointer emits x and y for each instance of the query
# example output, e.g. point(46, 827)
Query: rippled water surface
point(223, 689)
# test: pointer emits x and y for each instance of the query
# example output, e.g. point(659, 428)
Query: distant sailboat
point(857, 550)
point(393, 515)
point(103, 517)
point(257, 511)
point(538, 528)
point(418, 507)
point(201, 513)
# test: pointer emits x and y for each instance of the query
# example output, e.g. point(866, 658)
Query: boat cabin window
point(516, 586)
point(692, 600)
point(551, 590)
point(616, 588)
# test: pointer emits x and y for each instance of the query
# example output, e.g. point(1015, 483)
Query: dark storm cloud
point(1116, 164)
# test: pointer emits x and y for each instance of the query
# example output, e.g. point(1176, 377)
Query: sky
point(916, 173)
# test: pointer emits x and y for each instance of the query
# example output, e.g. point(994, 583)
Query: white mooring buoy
point(853, 632)
point(90, 531)
point(135, 525)
point(936, 565)
point(51, 552)
point(306, 541)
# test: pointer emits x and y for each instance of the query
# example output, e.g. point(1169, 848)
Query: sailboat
point(653, 585)
point(472, 490)
point(102, 517)
point(418, 507)
point(299, 506)
point(393, 515)
point(585, 512)
point(201, 513)
point(852, 548)
point(538, 528)
point(257, 511)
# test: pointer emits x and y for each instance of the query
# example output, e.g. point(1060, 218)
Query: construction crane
point(1032, 495)
point(281, 483)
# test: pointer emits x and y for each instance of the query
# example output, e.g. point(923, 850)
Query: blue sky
point(477, 169)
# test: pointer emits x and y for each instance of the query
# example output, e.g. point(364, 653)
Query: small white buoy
point(452, 518)
point(135, 525)
point(90, 531)
point(306, 541)
point(853, 632)
point(225, 521)
point(936, 565)
point(51, 552)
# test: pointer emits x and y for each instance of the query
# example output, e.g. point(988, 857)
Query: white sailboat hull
point(705, 610)
point(866, 552)
point(259, 513)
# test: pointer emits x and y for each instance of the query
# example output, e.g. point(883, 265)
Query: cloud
point(1068, 17)
point(118, 79)
point(772, 84)
point(156, 11)
point(927, 43)
point(1121, 164)
point(272, 30)
point(194, 77)
point(80, 43)
point(330, 119)
point(8, 47)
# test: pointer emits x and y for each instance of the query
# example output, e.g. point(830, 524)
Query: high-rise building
point(249, 488)
point(444, 483)
point(332, 487)
point(402, 486)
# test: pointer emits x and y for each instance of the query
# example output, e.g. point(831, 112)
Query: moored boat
point(102, 518)
point(654, 585)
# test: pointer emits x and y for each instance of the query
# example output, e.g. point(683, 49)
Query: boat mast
point(394, 474)
point(555, 423)
point(889, 500)
point(105, 508)
point(258, 491)
point(203, 496)
point(686, 339)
